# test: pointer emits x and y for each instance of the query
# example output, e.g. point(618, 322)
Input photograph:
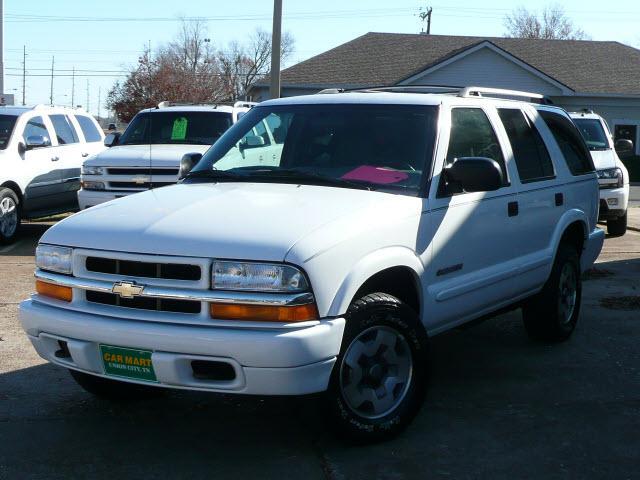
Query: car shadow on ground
point(500, 405)
point(26, 239)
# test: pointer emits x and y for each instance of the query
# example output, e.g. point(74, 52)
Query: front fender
point(368, 266)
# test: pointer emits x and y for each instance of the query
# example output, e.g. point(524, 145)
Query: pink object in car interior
point(378, 175)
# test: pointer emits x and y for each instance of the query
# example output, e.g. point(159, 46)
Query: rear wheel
point(379, 380)
point(9, 215)
point(114, 389)
point(553, 313)
point(618, 226)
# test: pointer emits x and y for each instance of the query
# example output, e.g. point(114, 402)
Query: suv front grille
point(144, 185)
point(142, 171)
point(169, 271)
point(145, 303)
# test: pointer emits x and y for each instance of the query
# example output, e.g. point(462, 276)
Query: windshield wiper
point(294, 174)
point(215, 174)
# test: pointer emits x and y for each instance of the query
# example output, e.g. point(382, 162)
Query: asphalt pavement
point(500, 405)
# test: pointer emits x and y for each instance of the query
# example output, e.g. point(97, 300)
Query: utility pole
point(73, 86)
point(24, 73)
point(87, 108)
point(99, 92)
point(51, 96)
point(276, 36)
point(425, 14)
point(2, 47)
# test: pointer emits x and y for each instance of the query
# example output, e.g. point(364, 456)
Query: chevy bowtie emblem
point(127, 289)
point(141, 180)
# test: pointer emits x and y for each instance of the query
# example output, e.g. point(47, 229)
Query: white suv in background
point(41, 151)
point(147, 155)
point(613, 176)
point(385, 218)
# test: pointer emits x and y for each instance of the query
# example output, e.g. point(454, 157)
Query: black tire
point(8, 196)
point(114, 389)
point(379, 314)
point(548, 316)
point(617, 227)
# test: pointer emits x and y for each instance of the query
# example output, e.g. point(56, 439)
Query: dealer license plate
point(128, 363)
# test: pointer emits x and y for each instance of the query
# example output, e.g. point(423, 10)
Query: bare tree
point(242, 65)
point(190, 69)
point(553, 23)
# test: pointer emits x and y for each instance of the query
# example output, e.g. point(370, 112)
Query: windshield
point(193, 128)
point(7, 122)
point(377, 147)
point(593, 133)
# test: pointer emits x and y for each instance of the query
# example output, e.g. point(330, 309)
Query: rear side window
point(529, 151)
point(65, 132)
point(472, 136)
point(89, 129)
point(570, 142)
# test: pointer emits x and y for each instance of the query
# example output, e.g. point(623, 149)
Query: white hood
point(603, 159)
point(143, 155)
point(259, 221)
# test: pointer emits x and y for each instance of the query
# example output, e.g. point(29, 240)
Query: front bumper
point(613, 202)
point(269, 361)
point(91, 198)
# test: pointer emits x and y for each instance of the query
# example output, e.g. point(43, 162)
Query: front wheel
point(617, 227)
point(553, 313)
point(379, 380)
point(9, 215)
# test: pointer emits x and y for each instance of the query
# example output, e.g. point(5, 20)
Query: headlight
point(54, 259)
point(610, 174)
point(92, 185)
point(87, 170)
point(261, 277)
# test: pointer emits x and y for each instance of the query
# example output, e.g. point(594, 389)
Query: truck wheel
point(9, 215)
point(552, 314)
point(113, 389)
point(617, 227)
point(379, 380)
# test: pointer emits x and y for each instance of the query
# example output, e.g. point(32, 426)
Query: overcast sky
point(101, 39)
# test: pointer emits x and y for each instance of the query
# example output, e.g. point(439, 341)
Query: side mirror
point(37, 141)
point(21, 148)
point(251, 141)
point(623, 145)
point(112, 139)
point(475, 174)
point(188, 161)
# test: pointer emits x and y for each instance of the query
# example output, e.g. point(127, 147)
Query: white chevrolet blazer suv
point(41, 151)
point(613, 176)
point(389, 217)
point(147, 155)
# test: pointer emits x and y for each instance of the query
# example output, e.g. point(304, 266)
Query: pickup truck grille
point(126, 268)
point(145, 303)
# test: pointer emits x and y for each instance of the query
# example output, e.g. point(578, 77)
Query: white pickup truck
point(613, 176)
point(386, 218)
point(148, 153)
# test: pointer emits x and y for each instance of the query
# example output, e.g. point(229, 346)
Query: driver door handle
point(55, 159)
point(85, 154)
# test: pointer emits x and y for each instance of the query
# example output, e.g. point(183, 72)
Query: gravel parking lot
point(500, 406)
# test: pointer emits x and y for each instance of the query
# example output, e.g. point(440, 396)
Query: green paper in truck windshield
point(179, 131)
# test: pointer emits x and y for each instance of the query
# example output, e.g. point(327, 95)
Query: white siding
point(486, 68)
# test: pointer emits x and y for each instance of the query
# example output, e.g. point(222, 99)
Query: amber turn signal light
point(263, 313)
point(54, 291)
